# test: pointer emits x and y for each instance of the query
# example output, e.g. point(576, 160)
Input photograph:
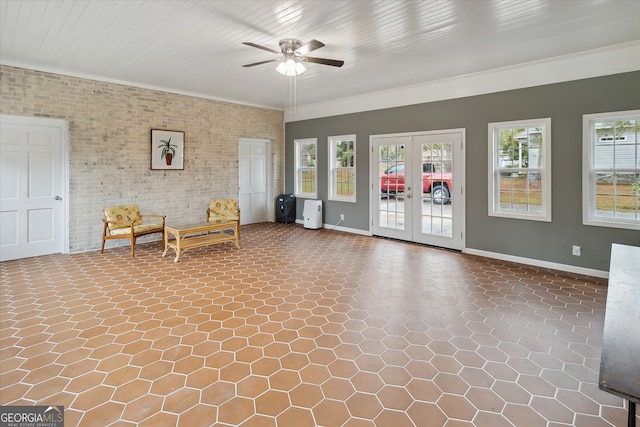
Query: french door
point(417, 181)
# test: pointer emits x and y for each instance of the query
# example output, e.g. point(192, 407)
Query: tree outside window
point(520, 159)
point(342, 168)
point(306, 176)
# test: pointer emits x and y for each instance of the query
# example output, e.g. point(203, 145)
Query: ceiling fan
point(293, 55)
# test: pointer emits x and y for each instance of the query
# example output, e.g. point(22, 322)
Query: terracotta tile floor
point(303, 328)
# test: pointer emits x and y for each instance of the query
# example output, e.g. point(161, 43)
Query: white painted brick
point(109, 140)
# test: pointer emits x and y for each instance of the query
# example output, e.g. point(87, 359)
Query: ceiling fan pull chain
point(293, 87)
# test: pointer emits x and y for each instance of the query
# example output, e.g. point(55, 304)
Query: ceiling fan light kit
point(291, 67)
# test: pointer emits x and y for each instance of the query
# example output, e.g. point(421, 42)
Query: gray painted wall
point(564, 102)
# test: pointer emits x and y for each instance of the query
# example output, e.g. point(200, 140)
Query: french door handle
point(57, 198)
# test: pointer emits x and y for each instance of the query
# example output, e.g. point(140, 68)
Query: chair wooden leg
point(133, 246)
point(104, 237)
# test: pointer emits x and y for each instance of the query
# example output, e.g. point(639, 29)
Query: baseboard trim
point(347, 229)
point(540, 263)
point(338, 228)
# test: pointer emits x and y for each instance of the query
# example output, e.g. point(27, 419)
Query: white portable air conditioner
point(312, 214)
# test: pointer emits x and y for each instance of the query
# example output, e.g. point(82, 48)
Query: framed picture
point(167, 149)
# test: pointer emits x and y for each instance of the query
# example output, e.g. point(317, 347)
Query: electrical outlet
point(575, 251)
point(341, 217)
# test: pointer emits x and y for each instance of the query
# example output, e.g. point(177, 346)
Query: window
point(342, 168)
point(520, 165)
point(306, 184)
point(611, 169)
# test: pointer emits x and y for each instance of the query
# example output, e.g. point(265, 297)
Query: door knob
point(57, 198)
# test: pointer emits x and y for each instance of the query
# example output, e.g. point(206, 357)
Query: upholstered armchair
point(126, 222)
point(224, 210)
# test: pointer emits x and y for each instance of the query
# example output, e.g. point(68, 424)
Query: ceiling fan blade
point(309, 46)
point(332, 62)
point(268, 49)
point(261, 62)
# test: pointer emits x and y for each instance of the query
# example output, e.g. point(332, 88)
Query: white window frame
point(495, 168)
point(334, 168)
point(299, 143)
point(589, 212)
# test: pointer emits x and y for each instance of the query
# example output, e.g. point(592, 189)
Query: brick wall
point(109, 146)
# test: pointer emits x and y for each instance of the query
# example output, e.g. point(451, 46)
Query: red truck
point(438, 184)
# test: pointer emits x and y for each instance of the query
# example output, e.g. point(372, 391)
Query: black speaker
point(286, 208)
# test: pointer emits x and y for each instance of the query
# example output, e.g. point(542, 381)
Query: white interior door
point(253, 178)
point(417, 187)
point(32, 209)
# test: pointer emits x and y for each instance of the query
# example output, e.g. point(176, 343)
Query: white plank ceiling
point(195, 46)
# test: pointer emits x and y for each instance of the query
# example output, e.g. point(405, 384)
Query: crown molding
point(615, 59)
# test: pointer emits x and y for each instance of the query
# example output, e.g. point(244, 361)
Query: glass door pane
point(391, 164)
point(391, 211)
point(436, 216)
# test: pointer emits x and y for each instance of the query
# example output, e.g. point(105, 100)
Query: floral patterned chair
point(224, 210)
point(126, 222)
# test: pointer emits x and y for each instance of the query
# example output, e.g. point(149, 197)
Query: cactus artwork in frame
point(167, 149)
